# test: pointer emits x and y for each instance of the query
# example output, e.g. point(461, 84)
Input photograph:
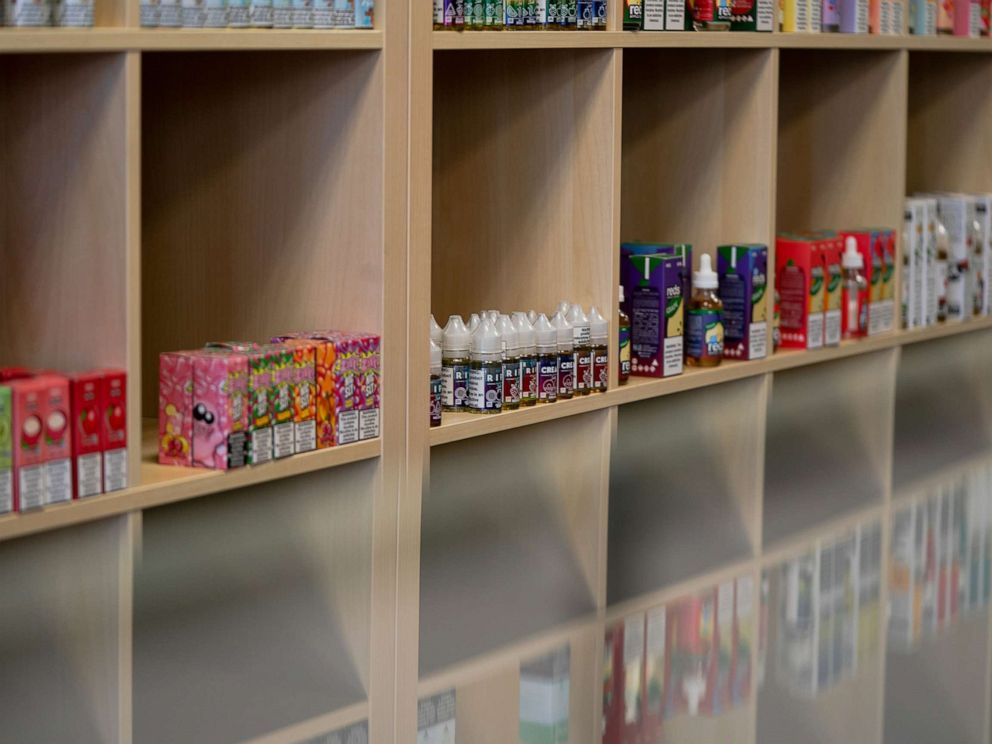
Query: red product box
point(872, 250)
point(175, 408)
point(799, 283)
point(15, 373)
point(86, 391)
point(56, 449)
point(28, 401)
point(831, 249)
point(115, 475)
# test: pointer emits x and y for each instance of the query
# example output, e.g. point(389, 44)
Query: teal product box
point(743, 272)
point(653, 287)
point(544, 695)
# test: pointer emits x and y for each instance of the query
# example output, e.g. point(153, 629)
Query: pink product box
point(220, 409)
point(368, 389)
point(175, 408)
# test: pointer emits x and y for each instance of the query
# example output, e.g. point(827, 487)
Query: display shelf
point(939, 692)
point(317, 726)
point(60, 661)
point(510, 537)
point(734, 726)
point(272, 220)
point(268, 583)
point(165, 484)
point(816, 472)
point(558, 243)
point(683, 468)
point(943, 412)
point(805, 539)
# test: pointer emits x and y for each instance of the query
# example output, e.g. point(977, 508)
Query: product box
point(744, 639)
point(854, 16)
point(114, 430)
point(633, 15)
point(436, 718)
point(982, 255)
point(6, 451)
point(283, 391)
point(743, 272)
point(304, 392)
point(934, 272)
point(796, 653)
point(56, 447)
point(912, 239)
point(669, 249)
point(945, 16)
point(345, 389)
point(695, 653)
point(923, 17)
point(87, 411)
point(957, 212)
point(815, 15)
point(262, 401)
point(967, 18)
point(656, 671)
point(544, 698)
point(77, 13)
point(27, 13)
point(28, 403)
point(830, 250)
point(871, 246)
point(720, 697)
point(220, 409)
point(888, 247)
point(752, 15)
point(175, 408)
point(665, 15)
point(796, 17)
point(367, 389)
point(799, 270)
point(653, 286)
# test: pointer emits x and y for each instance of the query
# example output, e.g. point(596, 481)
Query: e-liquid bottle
point(454, 365)
point(623, 327)
point(532, 316)
point(599, 331)
point(705, 318)
point(528, 359)
point(511, 363)
point(855, 292)
point(473, 322)
point(583, 349)
point(436, 384)
point(437, 333)
point(566, 356)
point(485, 374)
point(546, 336)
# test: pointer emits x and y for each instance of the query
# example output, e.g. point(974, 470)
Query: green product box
point(633, 15)
point(752, 15)
point(6, 452)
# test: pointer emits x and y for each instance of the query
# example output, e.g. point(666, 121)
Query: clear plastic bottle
point(473, 322)
point(528, 359)
point(454, 364)
point(623, 327)
point(436, 383)
point(485, 374)
point(511, 363)
point(705, 318)
point(855, 291)
point(582, 341)
point(599, 334)
point(546, 336)
point(566, 356)
point(437, 333)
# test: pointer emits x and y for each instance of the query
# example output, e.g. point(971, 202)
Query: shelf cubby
point(828, 451)
point(64, 245)
point(949, 148)
point(685, 486)
point(510, 537)
point(943, 409)
point(939, 691)
point(841, 139)
point(252, 609)
point(61, 663)
point(263, 213)
point(698, 146)
point(522, 180)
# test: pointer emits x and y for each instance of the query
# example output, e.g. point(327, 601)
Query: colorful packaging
point(923, 17)
point(957, 212)
point(304, 393)
point(114, 430)
point(633, 676)
point(945, 16)
point(175, 408)
point(986, 17)
point(831, 15)
point(800, 285)
point(656, 671)
point(633, 15)
point(57, 443)
point(743, 272)
point(28, 402)
point(854, 16)
point(262, 400)
point(6, 451)
point(220, 409)
point(544, 698)
point(653, 286)
point(338, 367)
point(752, 15)
point(87, 411)
point(695, 647)
point(815, 15)
point(283, 391)
point(830, 252)
point(796, 17)
point(982, 261)
point(873, 244)
point(967, 18)
point(912, 237)
point(367, 390)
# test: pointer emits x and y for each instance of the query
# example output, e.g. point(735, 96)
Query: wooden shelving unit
point(159, 188)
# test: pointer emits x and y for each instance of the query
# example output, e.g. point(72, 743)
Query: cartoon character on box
point(208, 440)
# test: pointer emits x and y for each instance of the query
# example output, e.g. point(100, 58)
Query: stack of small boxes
point(236, 403)
point(61, 437)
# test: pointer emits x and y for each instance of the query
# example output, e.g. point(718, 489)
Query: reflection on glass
point(678, 665)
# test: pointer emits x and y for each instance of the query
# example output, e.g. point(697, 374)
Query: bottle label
point(454, 381)
point(436, 395)
point(566, 374)
point(705, 334)
point(511, 382)
point(600, 369)
point(528, 378)
point(547, 378)
point(625, 351)
point(583, 370)
point(485, 387)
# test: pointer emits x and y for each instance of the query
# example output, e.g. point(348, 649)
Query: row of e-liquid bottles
point(500, 362)
point(523, 15)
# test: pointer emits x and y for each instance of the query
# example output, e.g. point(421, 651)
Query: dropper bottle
point(528, 359)
point(583, 349)
point(566, 356)
point(705, 321)
point(511, 363)
point(599, 331)
point(454, 365)
point(855, 290)
point(532, 316)
point(485, 375)
point(436, 383)
point(473, 322)
point(546, 336)
point(623, 330)
point(437, 333)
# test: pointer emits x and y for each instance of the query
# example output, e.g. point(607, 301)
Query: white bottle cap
point(493, 315)
point(599, 328)
point(509, 333)
point(437, 334)
point(473, 322)
point(486, 339)
point(525, 331)
point(563, 307)
point(456, 336)
point(705, 278)
point(565, 334)
point(546, 334)
point(852, 256)
point(532, 316)
point(621, 294)
point(580, 324)
point(435, 355)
